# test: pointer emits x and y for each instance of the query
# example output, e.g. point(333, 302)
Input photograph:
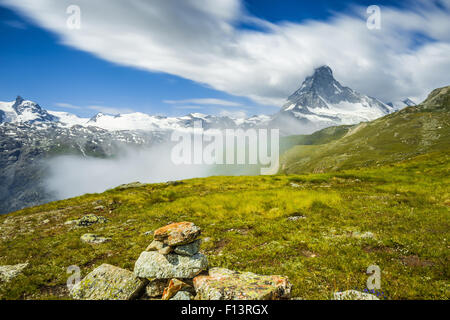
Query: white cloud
point(103, 109)
point(199, 40)
point(236, 114)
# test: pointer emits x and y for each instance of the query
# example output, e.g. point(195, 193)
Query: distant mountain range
point(30, 133)
point(320, 102)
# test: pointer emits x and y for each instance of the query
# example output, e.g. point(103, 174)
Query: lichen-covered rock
point(354, 295)
point(90, 219)
point(93, 238)
point(7, 273)
point(174, 286)
point(182, 295)
point(224, 284)
point(155, 288)
point(159, 246)
point(108, 282)
point(188, 249)
point(176, 234)
point(152, 264)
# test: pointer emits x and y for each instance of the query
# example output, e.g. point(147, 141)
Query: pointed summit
point(323, 71)
point(323, 101)
point(19, 100)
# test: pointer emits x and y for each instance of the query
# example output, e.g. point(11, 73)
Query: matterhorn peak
point(19, 100)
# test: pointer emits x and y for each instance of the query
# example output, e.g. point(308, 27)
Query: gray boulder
point(152, 264)
point(108, 282)
point(188, 249)
point(354, 295)
point(7, 273)
point(182, 295)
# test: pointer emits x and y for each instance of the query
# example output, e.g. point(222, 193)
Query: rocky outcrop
point(90, 219)
point(108, 282)
point(224, 284)
point(354, 295)
point(175, 285)
point(155, 288)
point(7, 273)
point(159, 261)
point(93, 238)
point(177, 234)
point(152, 264)
point(169, 269)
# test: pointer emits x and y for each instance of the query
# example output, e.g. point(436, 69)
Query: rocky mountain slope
point(29, 134)
point(412, 131)
point(322, 102)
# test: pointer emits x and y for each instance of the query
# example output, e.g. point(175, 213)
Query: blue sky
point(36, 64)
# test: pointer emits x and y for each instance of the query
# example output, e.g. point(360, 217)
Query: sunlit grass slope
point(396, 217)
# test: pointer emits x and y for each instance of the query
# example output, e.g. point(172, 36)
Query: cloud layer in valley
point(200, 40)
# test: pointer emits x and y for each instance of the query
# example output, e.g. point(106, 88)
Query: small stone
point(224, 284)
point(295, 218)
point(354, 295)
point(99, 208)
point(188, 249)
point(174, 183)
point(9, 272)
point(365, 235)
point(93, 238)
point(165, 250)
point(45, 221)
point(90, 219)
point(155, 288)
point(159, 246)
point(69, 222)
point(182, 295)
point(176, 234)
point(152, 264)
point(175, 285)
point(155, 245)
point(108, 282)
point(148, 233)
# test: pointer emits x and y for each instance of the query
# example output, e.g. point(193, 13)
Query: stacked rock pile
point(172, 268)
point(172, 260)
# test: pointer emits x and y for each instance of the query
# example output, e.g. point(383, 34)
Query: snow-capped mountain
point(22, 110)
point(25, 111)
point(398, 105)
point(322, 101)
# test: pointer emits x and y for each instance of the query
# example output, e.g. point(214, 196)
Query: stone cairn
point(172, 268)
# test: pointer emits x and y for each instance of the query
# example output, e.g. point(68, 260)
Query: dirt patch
point(309, 254)
point(415, 261)
point(221, 244)
point(371, 249)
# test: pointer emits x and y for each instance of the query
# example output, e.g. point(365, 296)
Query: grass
point(246, 222)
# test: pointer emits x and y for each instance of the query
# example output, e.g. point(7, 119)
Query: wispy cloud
point(190, 107)
point(207, 101)
point(15, 24)
point(239, 114)
point(103, 109)
point(66, 105)
point(199, 40)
